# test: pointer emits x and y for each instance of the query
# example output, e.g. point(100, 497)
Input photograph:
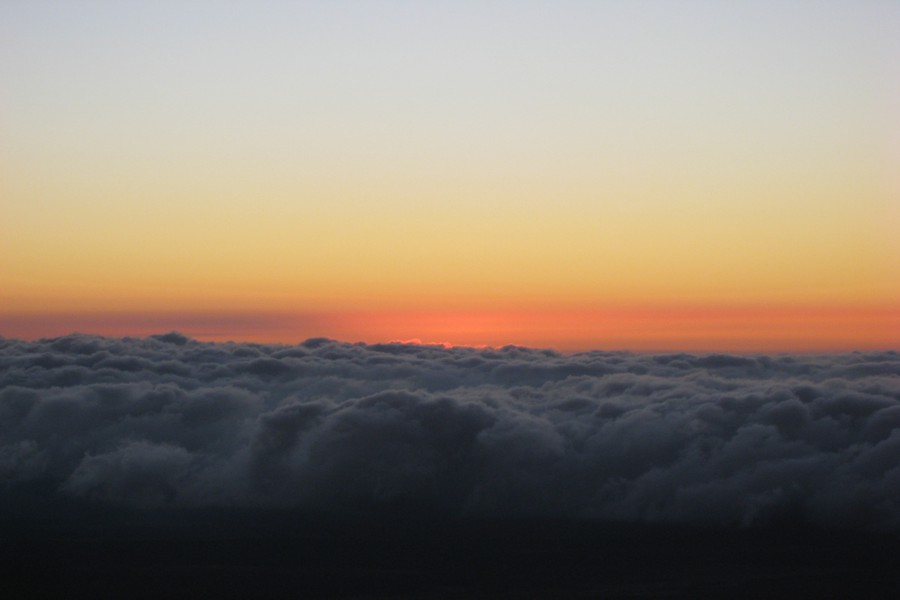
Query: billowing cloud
point(167, 421)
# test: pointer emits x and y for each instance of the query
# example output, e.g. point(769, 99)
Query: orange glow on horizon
point(697, 329)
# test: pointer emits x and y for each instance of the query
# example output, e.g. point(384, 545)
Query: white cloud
point(733, 440)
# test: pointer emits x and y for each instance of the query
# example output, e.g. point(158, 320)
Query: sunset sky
point(623, 175)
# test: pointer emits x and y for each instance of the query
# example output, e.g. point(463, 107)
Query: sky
point(623, 175)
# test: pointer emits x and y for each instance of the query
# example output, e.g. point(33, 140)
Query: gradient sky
point(644, 175)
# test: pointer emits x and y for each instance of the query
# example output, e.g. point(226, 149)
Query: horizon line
point(318, 340)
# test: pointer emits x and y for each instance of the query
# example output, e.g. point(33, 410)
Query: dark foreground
point(770, 472)
point(274, 554)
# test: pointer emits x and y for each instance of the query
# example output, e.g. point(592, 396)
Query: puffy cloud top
point(167, 421)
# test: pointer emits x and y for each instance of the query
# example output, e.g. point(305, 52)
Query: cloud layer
point(720, 439)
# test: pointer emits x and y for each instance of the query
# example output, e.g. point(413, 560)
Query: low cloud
point(167, 421)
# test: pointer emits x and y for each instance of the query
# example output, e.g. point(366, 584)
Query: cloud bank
point(729, 440)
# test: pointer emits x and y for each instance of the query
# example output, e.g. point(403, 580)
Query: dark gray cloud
point(729, 440)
